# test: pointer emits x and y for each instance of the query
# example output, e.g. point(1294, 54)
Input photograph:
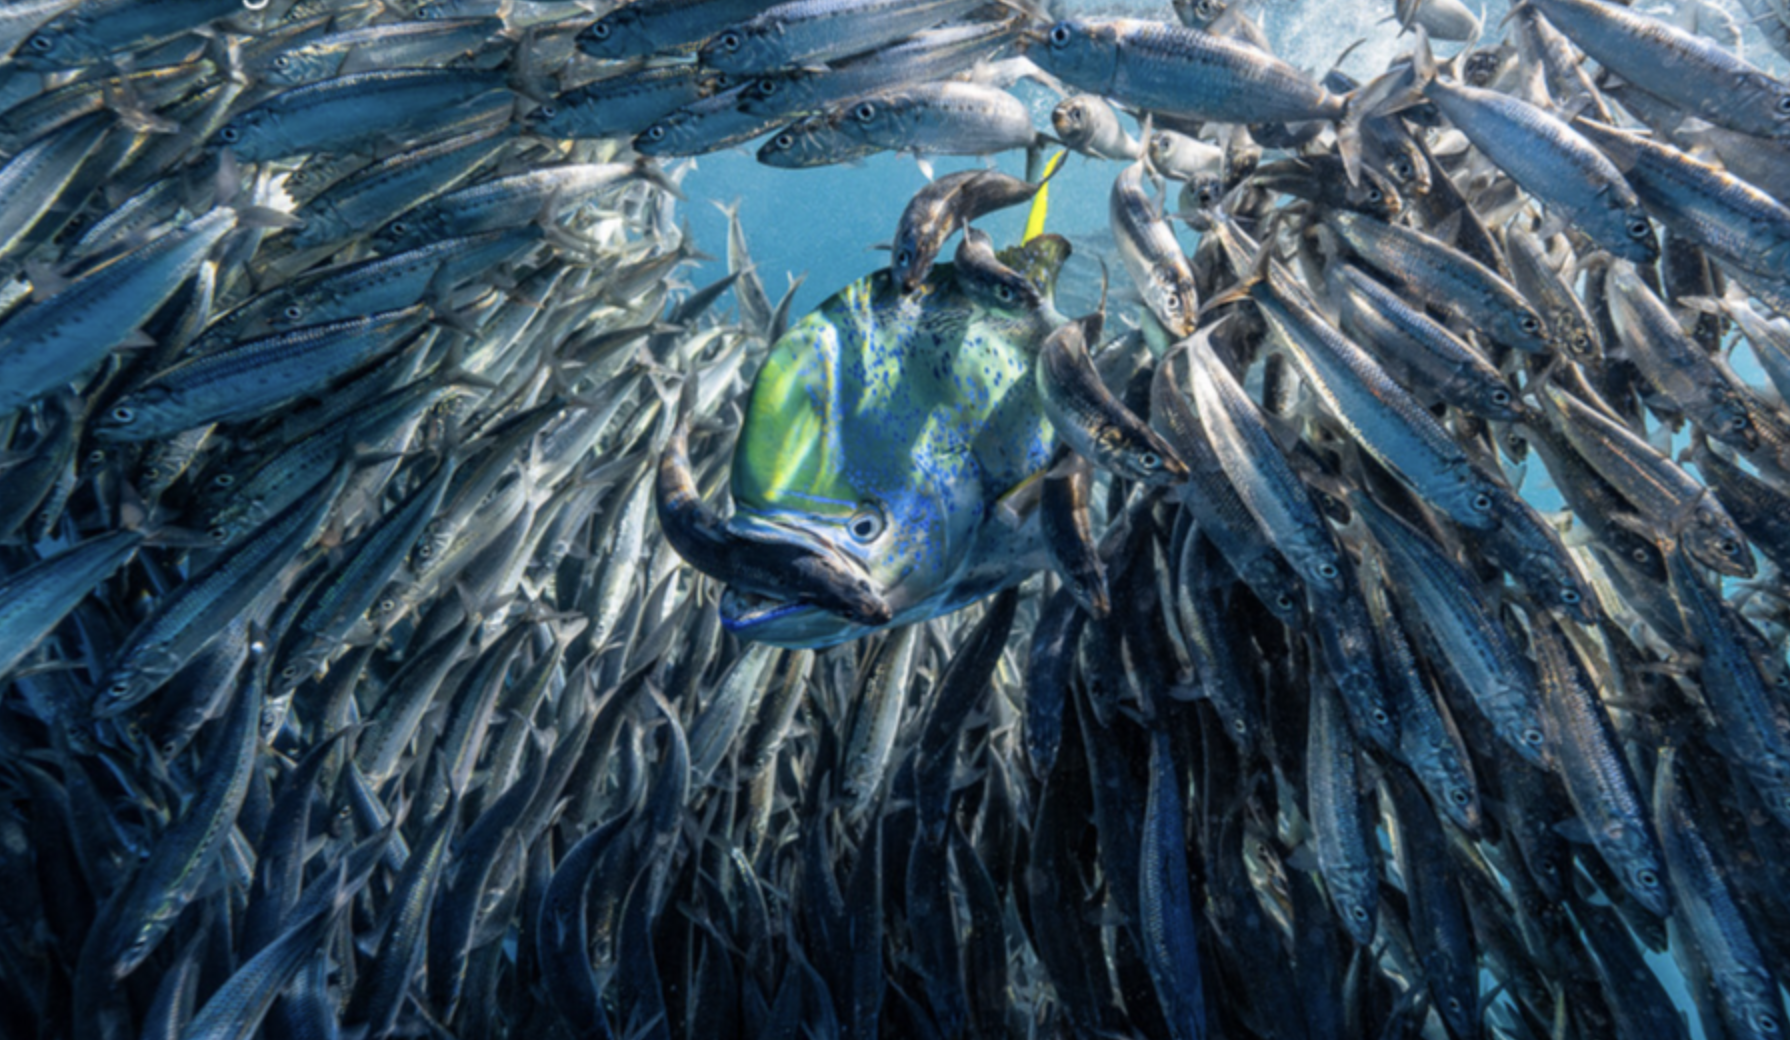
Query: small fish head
point(616, 35)
point(1712, 540)
point(777, 94)
point(741, 49)
point(1377, 195)
point(1073, 120)
point(1198, 14)
point(140, 410)
point(1081, 52)
point(800, 145)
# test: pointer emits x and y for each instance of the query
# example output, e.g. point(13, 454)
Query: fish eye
point(1532, 737)
point(218, 534)
point(1373, 194)
point(864, 113)
point(1729, 547)
point(729, 40)
point(784, 141)
point(1639, 229)
point(1059, 36)
point(1327, 570)
point(283, 61)
point(41, 43)
point(1284, 601)
point(767, 87)
point(546, 111)
point(904, 256)
point(229, 135)
point(1359, 913)
point(1765, 1023)
point(123, 414)
point(599, 31)
point(1003, 293)
point(1570, 596)
point(96, 456)
point(1639, 555)
point(1458, 796)
point(293, 312)
point(223, 480)
point(1454, 1005)
point(866, 524)
point(656, 132)
point(1530, 324)
point(1739, 422)
point(1149, 460)
point(1380, 717)
point(1403, 170)
point(1646, 878)
point(386, 606)
point(1482, 502)
point(1784, 105)
point(1500, 396)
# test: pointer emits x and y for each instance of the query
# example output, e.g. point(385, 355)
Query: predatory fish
point(883, 428)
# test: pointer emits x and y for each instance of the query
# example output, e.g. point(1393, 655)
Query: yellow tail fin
point(1041, 201)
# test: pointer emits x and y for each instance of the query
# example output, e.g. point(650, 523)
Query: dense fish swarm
point(371, 664)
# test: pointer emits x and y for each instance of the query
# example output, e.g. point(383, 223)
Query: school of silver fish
point(1370, 622)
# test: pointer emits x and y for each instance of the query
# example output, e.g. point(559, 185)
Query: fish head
point(813, 141)
point(744, 49)
point(1082, 52)
point(880, 433)
point(618, 34)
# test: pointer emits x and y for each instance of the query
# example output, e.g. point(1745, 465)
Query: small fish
point(1089, 419)
point(1089, 125)
point(937, 211)
point(803, 33)
point(1151, 254)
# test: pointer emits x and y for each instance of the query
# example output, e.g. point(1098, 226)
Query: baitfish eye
point(1359, 913)
point(656, 132)
point(1327, 570)
point(729, 41)
point(1458, 796)
point(123, 414)
point(1500, 396)
point(1403, 170)
point(284, 61)
point(864, 113)
point(1149, 460)
point(546, 112)
point(1380, 717)
point(229, 135)
point(1482, 502)
point(1765, 1023)
point(1373, 194)
point(784, 141)
point(867, 524)
point(599, 31)
point(293, 312)
point(1570, 596)
point(1003, 293)
point(42, 44)
point(1639, 555)
point(1284, 601)
point(1639, 229)
point(1532, 737)
point(1530, 324)
point(1646, 878)
point(218, 534)
point(1059, 36)
point(223, 480)
point(1784, 105)
point(1729, 547)
point(766, 87)
point(1739, 422)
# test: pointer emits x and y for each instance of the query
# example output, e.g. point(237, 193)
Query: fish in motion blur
point(424, 612)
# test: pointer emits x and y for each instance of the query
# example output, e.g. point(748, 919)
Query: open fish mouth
point(743, 610)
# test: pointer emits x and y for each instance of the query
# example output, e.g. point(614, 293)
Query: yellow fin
point(1041, 201)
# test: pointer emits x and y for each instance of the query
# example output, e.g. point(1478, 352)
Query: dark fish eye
point(283, 61)
point(123, 414)
point(1149, 460)
point(1359, 913)
point(1784, 105)
point(1380, 717)
point(1326, 570)
point(1284, 601)
point(600, 31)
point(1482, 502)
point(1500, 397)
point(218, 534)
point(1403, 170)
point(1003, 294)
point(767, 87)
point(1765, 1023)
point(293, 312)
point(784, 141)
point(1458, 796)
point(42, 44)
point(864, 113)
point(867, 523)
point(1373, 194)
point(730, 40)
point(904, 257)
point(1530, 324)
point(1639, 229)
point(1729, 547)
point(1739, 422)
point(655, 133)
point(1532, 737)
point(546, 112)
point(1570, 596)
point(96, 456)
point(229, 135)
point(1059, 36)
point(1639, 555)
point(223, 480)
point(1646, 878)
